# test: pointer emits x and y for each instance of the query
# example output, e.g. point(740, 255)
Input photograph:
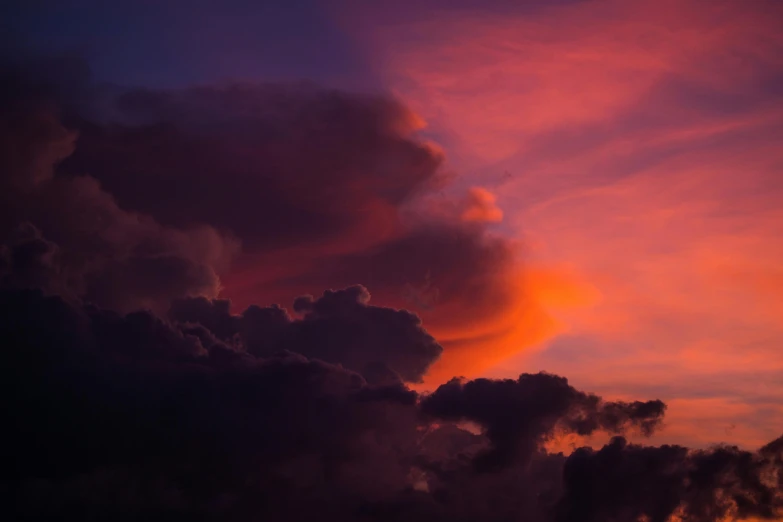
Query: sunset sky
point(636, 147)
point(592, 188)
point(633, 149)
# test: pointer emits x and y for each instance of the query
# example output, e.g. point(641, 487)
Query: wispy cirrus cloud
point(636, 143)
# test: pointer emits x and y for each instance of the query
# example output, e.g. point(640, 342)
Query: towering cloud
point(132, 390)
point(277, 165)
point(105, 253)
point(149, 194)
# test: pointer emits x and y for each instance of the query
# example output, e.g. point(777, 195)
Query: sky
point(589, 188)
point(635, 145)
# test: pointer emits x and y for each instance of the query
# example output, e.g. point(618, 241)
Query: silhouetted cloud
point(323, 188)
point(339, 327)
point(519, 415)
point(626, 482)
point(104, 253)
point(89, 392)
point(128, 416)
point(318, 164)
point(148, 195)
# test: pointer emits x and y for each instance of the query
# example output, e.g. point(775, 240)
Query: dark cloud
point(624, 481)
point(105, 253)
point(108, 255)
point(277, 165)
point(148, 194)
point(342, 326)
point(90, 394)
point(339, 327)
point(260, 192)
point(28, 260)
point(519, 415)
point(121, 417)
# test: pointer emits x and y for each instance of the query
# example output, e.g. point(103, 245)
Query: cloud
point(322, 165)
point(135, 396)
point(135, 416)
point(259, 192)
point(339, 327)
point(480, 207)
point(105, 253)
point(28, 260)
point(541, 403)
point(117, 412)
point(666, 481)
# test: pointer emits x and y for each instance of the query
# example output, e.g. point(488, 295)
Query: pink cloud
point(480, 206)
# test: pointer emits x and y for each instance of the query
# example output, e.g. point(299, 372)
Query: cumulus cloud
point(148, 195)
point(275, 164)
point(520, 415)
point(338, 327)
point(137, 416)
point(324, 189)
point(105, 253)
point(632, 481)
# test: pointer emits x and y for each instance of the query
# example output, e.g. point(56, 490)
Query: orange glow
point(530, 304)
point(526, 308)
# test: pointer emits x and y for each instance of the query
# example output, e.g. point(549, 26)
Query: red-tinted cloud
point(322, 189)
point(479, 206)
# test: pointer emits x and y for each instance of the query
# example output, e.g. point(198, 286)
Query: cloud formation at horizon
point(135, 416)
